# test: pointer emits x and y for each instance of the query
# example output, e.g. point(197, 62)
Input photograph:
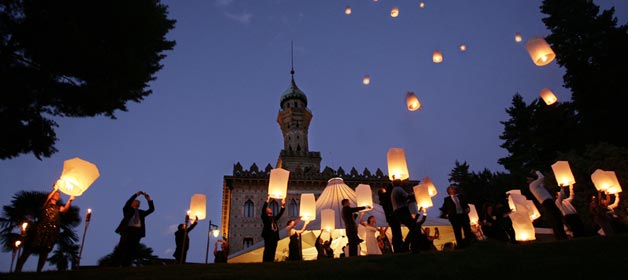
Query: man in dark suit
point(270, 232)
point(351, 228)
point(457, 210)
point(131, 229)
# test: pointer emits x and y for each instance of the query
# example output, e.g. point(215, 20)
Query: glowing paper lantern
point(533, 212)
point(328, 219)
point(474, 218)
point(517, 201)
point(397, 167)
point(77, 176)
point(347, 10)
point(518, 38)
point(412, 101)
point(431, 188)
point(364, 195)
point(548, 96)
point(198, 206)
point(366, 80)
point(422, 196)
point(606, 181)
point(563, 174)
point(394, 12)
point(540, 51)
point(422, 5)
point(463, 47)
point(437, 56)
point(524, 230)
point(278, 183)
point(307, 210)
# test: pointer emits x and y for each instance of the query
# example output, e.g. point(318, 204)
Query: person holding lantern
point(132, 228)
point(569, 212)
point(294, 247)
point(47, 230)
point(181, 252)
point(537, 188)
point(399, 199)
point(221, 255)
point(270, 231)
point(372, 245)
point(351, 228)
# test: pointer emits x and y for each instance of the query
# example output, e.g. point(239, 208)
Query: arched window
point(293, 209)
point(249, 209)
point(275, 207)
point(247, 242)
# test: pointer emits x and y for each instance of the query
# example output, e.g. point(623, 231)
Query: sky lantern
point(518, 38)
point(366, 80)
point(437, 56)
point(348, 10)
point(394, 12)
point(463, 47)
point(431, 188)
point(77, 176)
point(422, 196)
point(422, 5)
point(307, 210)
point(524, 229)
point(563, 174)
point(615, 188)
point(278, 183)
point(606, 181)
point(517, 201)
point(474, 218)
point(548, 96)
point(412, 101)
point(328, 219)
point(540, 51)
point(198, 206)
point(533, 212)
point(364, 195)
point(397, 167)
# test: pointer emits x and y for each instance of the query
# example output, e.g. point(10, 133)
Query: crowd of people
point(495, 223)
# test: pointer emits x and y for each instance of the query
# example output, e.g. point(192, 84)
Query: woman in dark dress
point(294, 247)
point(47, 229)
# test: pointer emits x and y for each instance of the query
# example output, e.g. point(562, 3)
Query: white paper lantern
point(474, 218)
point(307, 210)
point(198, 207)
point(394, 12)
point(278, 183)
point(606, 181)
point(548, 96)
point(563, 174)
point(397, 167)
point(364, 195)
point(437, 56)
point(77, 176)
point(533, 212)
point(540, 51)
point(328, 219)
point(524, 229)
point(431, 188)
point(412, 101)
point(366, 80)
point(518, 38)
point(347, 10)
point(422, 196)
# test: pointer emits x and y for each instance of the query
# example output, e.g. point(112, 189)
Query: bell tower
point(294, 120)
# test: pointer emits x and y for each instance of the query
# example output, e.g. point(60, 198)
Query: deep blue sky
point(216, 100)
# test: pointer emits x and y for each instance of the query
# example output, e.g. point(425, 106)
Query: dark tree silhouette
point(144, 257)
point(73, 58)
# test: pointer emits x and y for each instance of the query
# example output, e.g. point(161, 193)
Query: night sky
point(216, 100)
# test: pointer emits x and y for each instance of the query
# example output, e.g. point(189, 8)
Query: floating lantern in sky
point(364, 195)
point(347, 10)
point(366, 80)
point(328, 219)
point(563, 174)
point(412, 101)
point(431, 188)
point(540, 51)
point(307, 211)
point(437, 56)
point(463, 47)
point(278, 183)
point(422, 5)
point(422, 196)
point(518, 38)
point(77, 176)
point(198, 206)
point(474, 218)
point(394, 12)
point(548, 96)
point(397, 167)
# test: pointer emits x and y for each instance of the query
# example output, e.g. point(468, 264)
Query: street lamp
point(212, 230)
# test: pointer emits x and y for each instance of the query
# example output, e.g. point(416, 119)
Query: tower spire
point(292, 58)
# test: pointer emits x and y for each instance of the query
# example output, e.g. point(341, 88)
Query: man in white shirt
point(572, 219)
point(554, 216)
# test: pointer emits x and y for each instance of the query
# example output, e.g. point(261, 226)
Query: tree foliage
point(73, 58)
point(143, 257)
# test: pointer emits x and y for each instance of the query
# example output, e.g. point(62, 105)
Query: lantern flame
point(463, 47)
point(18, 243)
point(24, 226)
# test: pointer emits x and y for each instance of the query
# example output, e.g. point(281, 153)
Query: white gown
point(372, 248)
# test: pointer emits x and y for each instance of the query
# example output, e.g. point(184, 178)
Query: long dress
point(294, 247)
point(47, 229)
point(372, 247)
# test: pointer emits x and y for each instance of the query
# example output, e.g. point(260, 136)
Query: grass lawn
point(597, 257)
